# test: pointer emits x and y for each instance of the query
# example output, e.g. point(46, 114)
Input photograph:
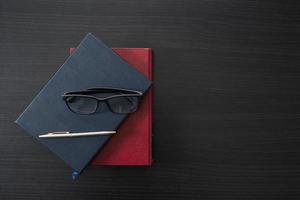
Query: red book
point(132, 145)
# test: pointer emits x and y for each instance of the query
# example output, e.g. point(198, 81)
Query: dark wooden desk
point(227, 99)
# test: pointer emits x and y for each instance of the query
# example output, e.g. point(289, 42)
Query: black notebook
point(92, 65)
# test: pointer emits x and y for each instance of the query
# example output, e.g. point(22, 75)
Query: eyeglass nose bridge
point(102, 106)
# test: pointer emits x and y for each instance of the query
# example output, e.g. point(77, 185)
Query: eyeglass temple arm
point(115, 89)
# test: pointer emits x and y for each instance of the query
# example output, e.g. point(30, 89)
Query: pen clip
point(58, 132)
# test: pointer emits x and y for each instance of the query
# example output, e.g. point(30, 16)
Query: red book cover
point(132, 145)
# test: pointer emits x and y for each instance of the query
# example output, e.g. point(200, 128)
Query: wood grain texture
point(227, 102)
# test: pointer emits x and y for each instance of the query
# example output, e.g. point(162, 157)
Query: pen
point(62, 134)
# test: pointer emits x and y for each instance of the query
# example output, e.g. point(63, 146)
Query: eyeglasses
point(121, 101)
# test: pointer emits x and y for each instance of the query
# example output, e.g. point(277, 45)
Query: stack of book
point(67, 104)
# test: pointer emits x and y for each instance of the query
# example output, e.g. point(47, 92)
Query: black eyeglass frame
point(128, 93)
